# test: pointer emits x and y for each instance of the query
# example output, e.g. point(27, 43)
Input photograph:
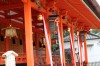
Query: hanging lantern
point(68, 29)
point(40, 17)
point(10, 31)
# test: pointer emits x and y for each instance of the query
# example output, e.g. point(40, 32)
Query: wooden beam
point(12, 6)
point(24, 1)
point(78, 11)
point(34, 6)
point(2, 14)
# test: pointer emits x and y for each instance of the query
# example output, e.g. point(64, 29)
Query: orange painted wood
point(80, 50)
point(47, 55)
point(25, 1)
point(28, 33)
point(34, 6)
point(72, 45)
point(85, 51)
point(48, 40)
point(61, 42)
point(11, 6)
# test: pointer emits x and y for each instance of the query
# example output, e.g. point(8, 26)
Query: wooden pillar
point(47, 56)
point(61, 43)
point(85, 50)
point(48, 40)
point(72, 45)
point(28, 33)
point(47, 53)
point(80, 49)
point(37, 43)
point(7, 43)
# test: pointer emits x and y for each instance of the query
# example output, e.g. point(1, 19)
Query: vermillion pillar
point(47, 56)
point(85, 50)
point(28, 33)
point(48, 40)
point(37, 43)
point(61, 43)
point(72, 45)
point(47, 53)
point(80, 49)
point(7, 43)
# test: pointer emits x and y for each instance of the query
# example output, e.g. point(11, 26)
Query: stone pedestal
point(10, 58)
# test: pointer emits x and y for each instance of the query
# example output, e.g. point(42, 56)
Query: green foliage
point(66, 33)
point(95, 31)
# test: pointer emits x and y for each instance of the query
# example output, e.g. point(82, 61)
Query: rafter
point(20, 5)
point(16, 15)
point(34, 6)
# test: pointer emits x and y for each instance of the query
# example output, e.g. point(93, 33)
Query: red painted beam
point(12, 6)
point(34, 6)
point(2, 14)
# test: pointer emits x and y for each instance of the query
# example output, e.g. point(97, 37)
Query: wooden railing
point(21, 58)
point(39, 59)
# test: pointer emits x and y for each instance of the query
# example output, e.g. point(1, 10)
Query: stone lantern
point(10, 58)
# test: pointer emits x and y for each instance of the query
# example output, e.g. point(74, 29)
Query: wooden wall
point(2, 46)
point(15, 47)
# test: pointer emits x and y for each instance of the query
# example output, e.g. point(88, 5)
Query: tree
point(95, 31)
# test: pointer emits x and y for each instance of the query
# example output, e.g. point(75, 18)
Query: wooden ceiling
point(75, 10)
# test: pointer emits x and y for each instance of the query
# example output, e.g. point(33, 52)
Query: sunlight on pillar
point(98, 1)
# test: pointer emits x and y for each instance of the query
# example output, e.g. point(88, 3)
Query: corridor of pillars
point(28, 35)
